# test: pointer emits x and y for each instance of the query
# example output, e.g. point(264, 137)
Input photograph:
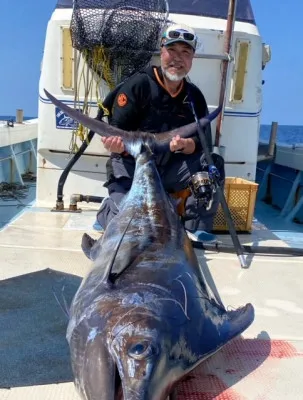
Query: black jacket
point(142, 103)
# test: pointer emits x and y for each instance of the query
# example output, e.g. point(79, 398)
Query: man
point(157, 100)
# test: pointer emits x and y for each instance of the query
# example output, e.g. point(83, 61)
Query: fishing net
point(117, 37)
point(13, 190)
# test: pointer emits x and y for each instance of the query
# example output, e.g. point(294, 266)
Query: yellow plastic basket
point(240, 196)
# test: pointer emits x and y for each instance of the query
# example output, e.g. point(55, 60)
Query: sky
point(22, 34)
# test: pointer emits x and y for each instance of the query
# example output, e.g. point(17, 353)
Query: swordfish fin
point(99, 127)
point(132, 140)
point(158, 142)
point(229, 326)
point(87, 245)
point(110, 276)
point(164, 138)
point(238, 321)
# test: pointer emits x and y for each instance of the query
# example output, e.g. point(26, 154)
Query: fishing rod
point(227, 214)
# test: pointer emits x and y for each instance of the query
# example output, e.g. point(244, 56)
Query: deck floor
point(265, 363)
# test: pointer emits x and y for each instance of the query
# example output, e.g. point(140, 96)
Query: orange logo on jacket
point(122, 100)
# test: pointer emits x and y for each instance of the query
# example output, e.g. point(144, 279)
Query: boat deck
point(265, 363)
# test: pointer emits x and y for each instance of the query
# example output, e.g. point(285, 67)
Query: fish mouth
point(118, 385)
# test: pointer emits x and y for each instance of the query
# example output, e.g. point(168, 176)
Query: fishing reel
point(203, 186)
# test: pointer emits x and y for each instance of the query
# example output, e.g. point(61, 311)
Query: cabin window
point(240, 71)
point(67, 59)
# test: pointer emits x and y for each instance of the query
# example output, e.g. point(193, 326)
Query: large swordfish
point(143, 317)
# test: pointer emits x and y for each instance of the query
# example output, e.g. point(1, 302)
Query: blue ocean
point(12, 118)
point(289, 134)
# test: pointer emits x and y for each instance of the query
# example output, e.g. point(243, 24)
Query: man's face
point(176, 60)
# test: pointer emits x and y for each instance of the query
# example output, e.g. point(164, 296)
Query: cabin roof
point(207, 8)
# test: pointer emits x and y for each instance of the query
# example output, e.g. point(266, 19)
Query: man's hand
point(187, 146)
point(114, 144)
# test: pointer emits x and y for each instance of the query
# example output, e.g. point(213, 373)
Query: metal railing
point(15, 167)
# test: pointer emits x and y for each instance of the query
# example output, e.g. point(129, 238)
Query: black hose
point(74, 159)
point(225, 248)
point(107, 104)
point(90, 199)
point(70, 165)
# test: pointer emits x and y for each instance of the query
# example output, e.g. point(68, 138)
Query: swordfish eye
point(141, 350)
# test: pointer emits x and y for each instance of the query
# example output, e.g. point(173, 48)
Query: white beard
point(173, 77)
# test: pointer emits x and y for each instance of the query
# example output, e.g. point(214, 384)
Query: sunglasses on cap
point(190, 37)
